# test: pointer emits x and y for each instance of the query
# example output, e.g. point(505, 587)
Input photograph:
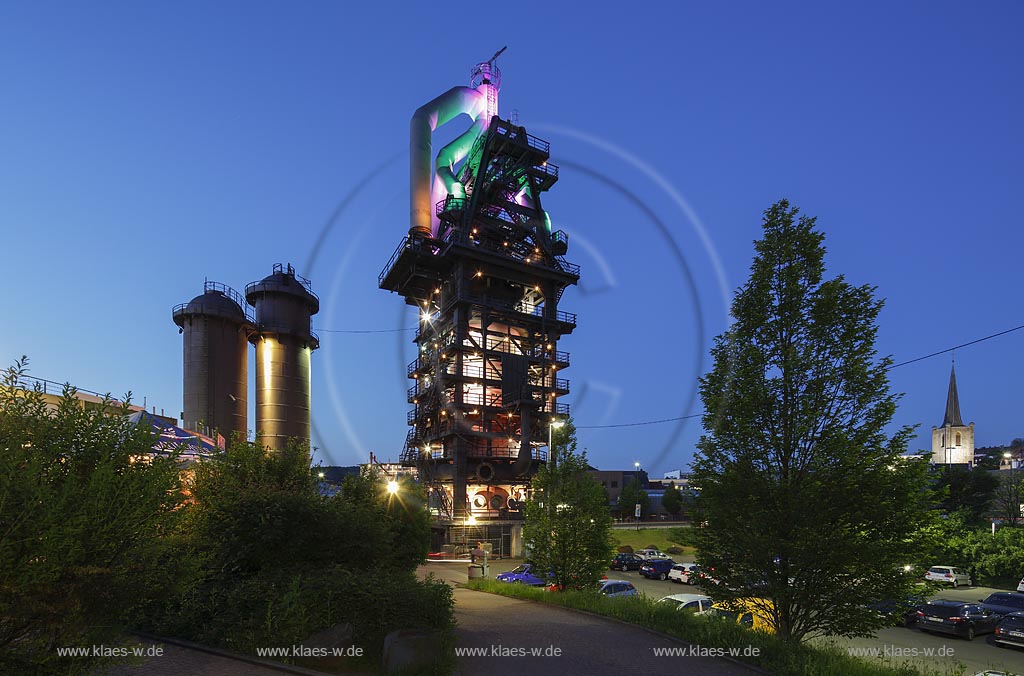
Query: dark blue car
point(657, 569)
point(1004, 603)
point(521, 575)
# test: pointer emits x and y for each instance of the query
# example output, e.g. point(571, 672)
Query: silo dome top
point(216, 301)
point(283, 280)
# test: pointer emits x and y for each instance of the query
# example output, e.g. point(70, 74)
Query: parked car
point(626, 561)
point(900, 612)
point(681, 572)
point(1010, 630)
point(951, 574)
point(523, 574)
point(1020, 586)
point(701, 576)
point(652, 554)
point(956, 617)
point(753, 613)
point(657, 569)
point(693, 603)
point(617, 588)
point(1003, 602)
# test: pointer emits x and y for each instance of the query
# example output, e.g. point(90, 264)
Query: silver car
point(950, 574)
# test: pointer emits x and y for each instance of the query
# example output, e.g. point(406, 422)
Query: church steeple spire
point(952, 417)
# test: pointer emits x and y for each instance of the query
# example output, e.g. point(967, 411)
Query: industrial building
point(218, 326)
point(486, 274)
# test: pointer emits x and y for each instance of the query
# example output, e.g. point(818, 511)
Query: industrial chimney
point(284, 342)
point(215, 327)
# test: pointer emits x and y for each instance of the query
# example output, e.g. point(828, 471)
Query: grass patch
point(639, 539)
point(776, 656)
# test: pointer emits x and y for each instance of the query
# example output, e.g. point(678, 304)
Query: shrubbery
point(83, 525)
point(276, 561)
point(97, 538)
point(992, 559)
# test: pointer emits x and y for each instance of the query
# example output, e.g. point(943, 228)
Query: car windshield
point(1006, 600)
point(521, 569)
point(938, 571)
point(674, 602)
point(1012, 621)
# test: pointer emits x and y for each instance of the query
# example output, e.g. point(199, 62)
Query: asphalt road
point(902, 644)
point(505, 632)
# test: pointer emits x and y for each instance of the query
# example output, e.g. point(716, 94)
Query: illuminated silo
point(284, 342)
point(215, 327)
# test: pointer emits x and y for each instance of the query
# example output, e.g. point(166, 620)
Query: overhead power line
point(902, 363)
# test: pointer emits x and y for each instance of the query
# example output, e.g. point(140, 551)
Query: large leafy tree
point(807, 504)
point(968, 491)
point(567, 526)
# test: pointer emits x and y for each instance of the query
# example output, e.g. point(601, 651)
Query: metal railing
point(402, 246)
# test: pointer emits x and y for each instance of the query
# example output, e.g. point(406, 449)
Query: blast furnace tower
point(216, 326)
point(486, 273)
point(284, 343)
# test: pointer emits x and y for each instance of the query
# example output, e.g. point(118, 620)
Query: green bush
point(276, 561)
point(82, 524)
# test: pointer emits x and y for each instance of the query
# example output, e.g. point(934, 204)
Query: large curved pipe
point(425, 121)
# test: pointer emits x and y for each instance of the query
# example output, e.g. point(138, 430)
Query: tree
point(807, 503)
point(967, 491)
point(633, 494)
point(82, 513)
point(672, 500)
point(567, 526)
point(1009, 496)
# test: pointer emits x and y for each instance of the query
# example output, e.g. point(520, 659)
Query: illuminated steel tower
point(486, 273)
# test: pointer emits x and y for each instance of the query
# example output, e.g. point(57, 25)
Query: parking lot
point(900, 643)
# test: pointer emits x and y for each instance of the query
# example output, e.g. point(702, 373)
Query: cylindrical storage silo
point(284, 342)
point(215, 330)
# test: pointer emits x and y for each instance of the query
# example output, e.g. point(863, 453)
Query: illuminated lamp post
point(551, 434)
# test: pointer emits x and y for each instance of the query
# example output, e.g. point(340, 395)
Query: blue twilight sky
point(147, 146)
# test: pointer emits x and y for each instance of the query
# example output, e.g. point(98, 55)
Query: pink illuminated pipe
point(425, 121)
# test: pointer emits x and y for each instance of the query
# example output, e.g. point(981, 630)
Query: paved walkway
point(179, 661)
point(508, 632)
point(186, 660)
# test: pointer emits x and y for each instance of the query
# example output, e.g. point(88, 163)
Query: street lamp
point(392, 487)
point(551, 434)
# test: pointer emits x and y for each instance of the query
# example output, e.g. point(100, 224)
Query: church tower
point(953, 442)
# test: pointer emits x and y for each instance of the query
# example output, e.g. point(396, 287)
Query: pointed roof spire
point(952, 417)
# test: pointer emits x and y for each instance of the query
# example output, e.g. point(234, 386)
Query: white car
point(681, 573)
point(951, 574)
point(694, 603)
point(1020, 587)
